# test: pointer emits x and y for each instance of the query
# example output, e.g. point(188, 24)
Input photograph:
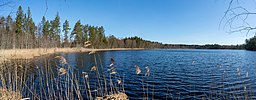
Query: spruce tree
point(19, 26)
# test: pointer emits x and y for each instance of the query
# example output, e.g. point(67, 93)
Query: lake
point(174, 74)
point(180, 74)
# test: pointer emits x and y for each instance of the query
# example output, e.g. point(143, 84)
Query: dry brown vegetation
point(31, 53)
point(20, 79)
point(6, 94)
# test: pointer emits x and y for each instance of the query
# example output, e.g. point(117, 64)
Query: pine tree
point(100, 36)
point(30, 29)
point(92, 34)
point(19, 26)
point(85, 33)
point(46, 32)
point(46, 29)
point(40, 32)
point(43, 21)
point(9, 31)
point(2, 32)
point(55, 30)
point(78, 33)
point(66, 30)
point(25, 32)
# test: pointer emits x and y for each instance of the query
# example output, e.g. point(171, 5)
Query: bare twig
point(46, 5)
point(235, 18)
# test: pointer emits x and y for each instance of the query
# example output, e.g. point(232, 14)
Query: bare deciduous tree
point(238, 17)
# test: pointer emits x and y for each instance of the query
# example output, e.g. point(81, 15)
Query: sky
point(165, 21)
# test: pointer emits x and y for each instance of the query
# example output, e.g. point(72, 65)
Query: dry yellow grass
point(9, 95)
point(31, 53)
point(46, 77)
point(119, 96)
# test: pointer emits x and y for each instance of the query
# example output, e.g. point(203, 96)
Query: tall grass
point(55, 79)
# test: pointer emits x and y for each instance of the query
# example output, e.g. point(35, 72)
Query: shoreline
point(6, 54)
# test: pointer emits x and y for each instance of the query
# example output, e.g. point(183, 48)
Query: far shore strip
point(31, 53)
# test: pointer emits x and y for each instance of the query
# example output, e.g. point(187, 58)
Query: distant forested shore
point(207, 46)
point(23, 33)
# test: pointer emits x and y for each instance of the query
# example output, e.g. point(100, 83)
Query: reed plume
point(147, 71)
point(119, 81)
point(113, 72)
point(238, 71)
point(87, 44)
point(247, 74)
point(61, 59)
point(93, 68)
point(62, 71)
point(85, 75)
point(111, 65)
point(137, 69)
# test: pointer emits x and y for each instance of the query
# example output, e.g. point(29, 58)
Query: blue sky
point(166, 21)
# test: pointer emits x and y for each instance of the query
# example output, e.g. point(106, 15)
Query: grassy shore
point(31, 53)
point(55, 78)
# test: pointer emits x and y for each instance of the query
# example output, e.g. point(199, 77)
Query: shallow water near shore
point(174, 74)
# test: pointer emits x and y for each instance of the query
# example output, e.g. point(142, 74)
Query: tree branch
point(46, 5)
point(235, 18)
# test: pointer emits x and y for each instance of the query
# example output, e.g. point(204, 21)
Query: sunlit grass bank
point(31, 53)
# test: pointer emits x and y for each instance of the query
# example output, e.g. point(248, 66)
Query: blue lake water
point(178, 73)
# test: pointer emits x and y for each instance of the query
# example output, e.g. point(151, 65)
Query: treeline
point(22, 32)
point(132, 42)
point(250, 44)
point(217, 46)
point(207, 46)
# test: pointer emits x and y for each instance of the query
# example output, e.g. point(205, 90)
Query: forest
point(206, 46)
point(23, 33)
point(250, 44)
